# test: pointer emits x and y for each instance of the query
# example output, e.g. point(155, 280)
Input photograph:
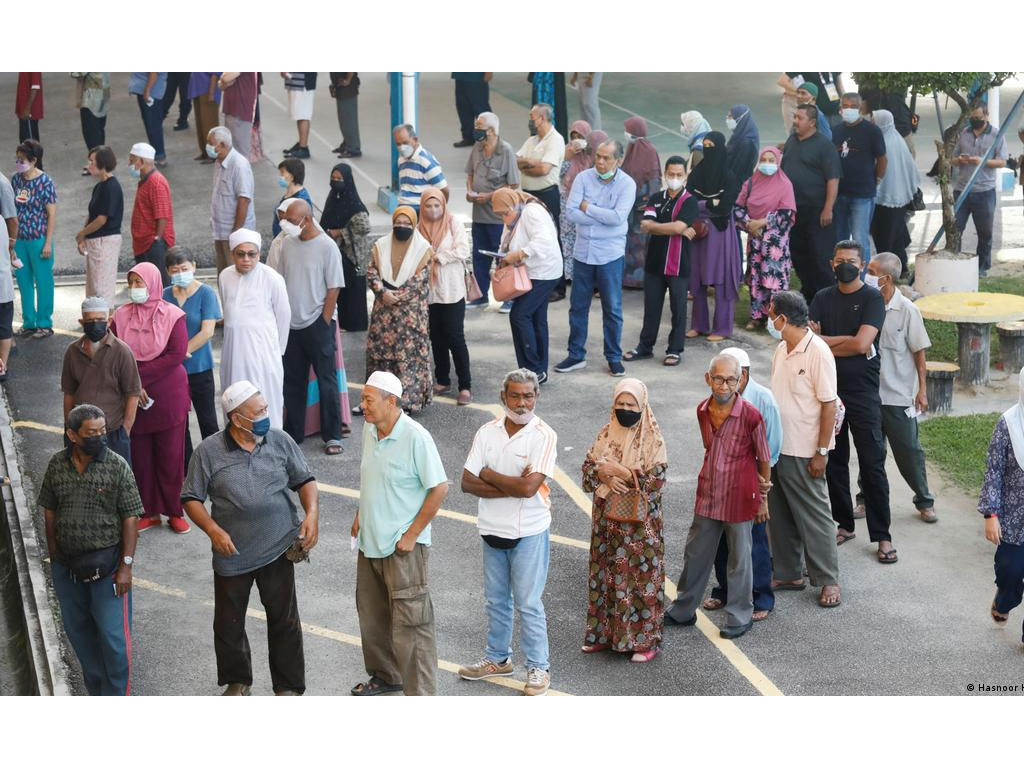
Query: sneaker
point(148, 522)
point(463, 143)
point(290, 149)
point(537, 682)
point(570, 365)
point(347, 153)
point(542, 378)
point(179, 524)
point(616, 369)
point(506, 307)
point(236, 689)
point(181, 126)
point(302, 153)
point(486, 668)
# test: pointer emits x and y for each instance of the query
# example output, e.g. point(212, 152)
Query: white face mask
point(138, 295)
point(405, 150)
point(850, 114)
point(289, 229)
point(871, 280)
point(674, 183)
point(730, 123)
point(579, 144)
point(521, 419)
point(629, 137)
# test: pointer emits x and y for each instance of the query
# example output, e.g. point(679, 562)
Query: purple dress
point(715, 260)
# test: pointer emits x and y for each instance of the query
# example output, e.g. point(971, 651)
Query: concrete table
point(974, 315)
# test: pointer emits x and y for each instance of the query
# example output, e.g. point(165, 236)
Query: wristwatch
point(823, 451)
point(127, 559)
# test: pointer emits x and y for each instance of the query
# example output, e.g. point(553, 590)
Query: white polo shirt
point(536, 445)
point(551, 150)
point(903, 334)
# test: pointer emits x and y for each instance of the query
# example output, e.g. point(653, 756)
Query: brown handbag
point(628, 507)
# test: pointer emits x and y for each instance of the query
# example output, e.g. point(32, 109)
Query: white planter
point(945, 272)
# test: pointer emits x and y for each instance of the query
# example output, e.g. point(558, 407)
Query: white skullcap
point(739, 354)
point(143, 150)
point(237, 394)
point(240, 236)
point(283, 207)
point(95, 304)
point(386, 382)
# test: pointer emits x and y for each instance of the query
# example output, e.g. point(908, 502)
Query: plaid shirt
point(727, 486)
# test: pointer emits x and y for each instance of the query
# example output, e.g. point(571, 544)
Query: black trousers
point(471, 98)
point(864, 421)
point(94, 129)
point(447, 337)
point(352, 313)
point(157, 256)
point(202, 388)
point(810, 246)
point(28, 129)
point(177, 84)
point(654, 302)
point(276, 583)
point(313, 345)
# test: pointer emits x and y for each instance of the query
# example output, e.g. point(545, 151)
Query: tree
point(965, 89)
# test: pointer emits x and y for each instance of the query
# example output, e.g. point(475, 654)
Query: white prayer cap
point(283, 207)
point(386, 382)
point(143, 150)
point(240, 236)
point(739, 354)
point(95, 304)
point(237, 394)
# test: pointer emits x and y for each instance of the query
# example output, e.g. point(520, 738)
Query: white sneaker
point(537, 682)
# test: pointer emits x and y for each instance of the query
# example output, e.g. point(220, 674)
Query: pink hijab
point(641, 163)
point(146, 327)
point(764, 194)
point(581, 160)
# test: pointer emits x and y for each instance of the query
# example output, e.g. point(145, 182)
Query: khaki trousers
point(206, 113)
point(223, 254)
point(101, 255)
point(801, 523)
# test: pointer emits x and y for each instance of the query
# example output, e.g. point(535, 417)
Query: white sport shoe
point(537, 682)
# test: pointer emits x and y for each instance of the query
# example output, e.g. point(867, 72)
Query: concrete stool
point(939, 381)
point(1011, 346)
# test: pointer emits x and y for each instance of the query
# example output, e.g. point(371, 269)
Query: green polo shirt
point(396, 474)
point(90, 505)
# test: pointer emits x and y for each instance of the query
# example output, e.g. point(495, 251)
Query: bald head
point(300, 214)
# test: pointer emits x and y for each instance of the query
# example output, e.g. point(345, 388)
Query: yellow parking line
point(36, 425)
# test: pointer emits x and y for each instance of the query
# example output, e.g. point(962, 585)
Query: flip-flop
point(374, 687)
point(790, 587)
point(888, 557)
point(755, 617)
point(842, 538)
point(634, 355)
point(718, 604)
point(671, 359)
point(823, 604)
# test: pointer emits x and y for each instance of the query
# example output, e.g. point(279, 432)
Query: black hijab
point(341, 205)
point(713, 182)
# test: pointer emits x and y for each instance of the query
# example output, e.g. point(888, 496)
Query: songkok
point(811, 88)
point(237, 394)
point(240, 236)
point(143, 150)
point(739, 354)
point(95, 304)
point(386, 382)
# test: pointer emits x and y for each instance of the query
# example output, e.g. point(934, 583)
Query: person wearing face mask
point(248, 472)
point(579, 156)
point(231, 207)
point(152, 213)
point(895, 192)
point(807, 94)
point(472, 96)
point(737, 464)
point(399, 335)
point(291, 177)
point(417, 167)
point(156, 332)
point(643, 165)
point(509, 466)
point(35, 198)
point(744, 141)
point(862, 155)
point(100, 239)
point(766, 210)
point(628, 457)
point(99, 368)
point(91, 541)
point(694, 128)
point(540, 157)
point(849, 317)
point(9, 214)
point(346, 219)
point(202, 311)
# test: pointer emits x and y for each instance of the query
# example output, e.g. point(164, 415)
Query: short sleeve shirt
point(550, 149)
point(232, 179)
point(103, 380)
point(27, 83)
point(802, 380)
point(810, 164)
point(490, 173)
point(728, 482)
point(977, 146)
point(660, 209)
point(107, 200)
point(414, 173)
point(903, 334)
point(199, 85)
point(31, 196)
point(310, 268)
point(201, 305)
point(240, 97)
point(859, 146)
point(842, 314)
point(137, 84)
point(152, 202)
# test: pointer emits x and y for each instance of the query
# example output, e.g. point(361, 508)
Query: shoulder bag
point(628, 507)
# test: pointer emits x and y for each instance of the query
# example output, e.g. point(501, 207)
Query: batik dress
point(768, 259)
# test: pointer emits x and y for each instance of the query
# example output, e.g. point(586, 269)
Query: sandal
point(671, 359)
point(333, 448)
point(643, 656)
point(928, 515)
point(598, 647)
point(888, 557)
point(789, 586)
point(830, 600)
point(712, 604)
point(717, 337)
point(760, 615)
point(998, 617)
point(634, 354)
point(374, 687)
point(42, 333)
point(842, 537)
point(692, 334)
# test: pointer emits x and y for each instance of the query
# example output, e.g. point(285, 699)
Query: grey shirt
point(7, 211)
point(249, 495)
point(903, 333)
point(232, 179)
point(969, 144)
point(310, 268)
point(491, 173)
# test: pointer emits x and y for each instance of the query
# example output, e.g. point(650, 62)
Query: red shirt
point(239, 98)
point(27, 81)
point(152, 202)
point(727, 486)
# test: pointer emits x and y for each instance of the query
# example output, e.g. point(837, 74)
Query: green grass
point(958, 446)
point(944, 335)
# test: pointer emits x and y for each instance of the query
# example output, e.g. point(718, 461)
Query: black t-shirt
point(810, 164)
point(859, 145)
point(659, 208)
point(842, 314)
point(107, 200)
point(825, 104)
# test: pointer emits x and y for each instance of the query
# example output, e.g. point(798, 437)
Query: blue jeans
point(607, 278)
point(761, 555)
point(515, 579)
point(981, 206)
point(99, 626)
point(1009, 566)
point(852, 217)
point(153, 121)
point(529, 321)
point(486, 237)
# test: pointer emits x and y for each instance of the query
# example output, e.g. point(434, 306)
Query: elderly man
point(402, 484)
point(248, 473)
point(417, 168)
point(9, 213)
point(540, 159)
point(231, 206)
point(862, 156)
point(729, 499)
point(508, 468)
point(257, 316)
point(804, 385)
point(760, 551)
point(599, 204)
point(100, 369)
point(153, 212)
point(310, 263)
point(91, 507)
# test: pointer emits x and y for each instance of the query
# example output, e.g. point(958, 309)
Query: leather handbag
point(510, 282)
point(700, 227)
point(628, 507)
point(473, 292)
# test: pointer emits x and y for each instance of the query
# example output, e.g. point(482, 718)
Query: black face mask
point(479, 135)
point(846, 272)
point(533, 128)
point(91, 446)
point(337, 186)
point(403, 233)
point(95, 330)
point(977, 124)
point(627, 418)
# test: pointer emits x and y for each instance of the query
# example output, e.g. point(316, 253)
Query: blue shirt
point(601, 230)
point(763, 399)
point(201, 305)
point(139, 80)
point(419, 171)
point(301, 195)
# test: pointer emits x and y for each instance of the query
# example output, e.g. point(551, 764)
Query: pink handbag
point(510, 282)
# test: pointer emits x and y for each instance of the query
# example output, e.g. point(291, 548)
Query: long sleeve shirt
point(763, 399)
point(1003, 492)
point(601, 229)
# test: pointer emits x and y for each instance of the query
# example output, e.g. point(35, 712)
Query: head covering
point(341, 205)
point(581, 160)
point(641, 163)
point(694, 126)
point(143, 150)
point(901, 178)
point(146, 327)
point(514, 199)
point(411, 252)
point(95, 304)
point(640, 447)
point(811, 88)
point(386, 382)
point(237, 394)
point(1014, 419)
point(746, 129)
point(282, 207)
point(408, 211)
point(763, 194)
point(435, 231)
point(713, 182)
point(739, 354)
point(240, 236)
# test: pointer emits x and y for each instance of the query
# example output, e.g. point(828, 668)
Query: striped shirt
point(419, 171)
point(727, 486)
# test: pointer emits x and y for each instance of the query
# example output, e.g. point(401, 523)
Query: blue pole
point(395, 80)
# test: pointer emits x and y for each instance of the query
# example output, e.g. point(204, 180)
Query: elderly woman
point(627, 569)
point(157, 333)
point(399, 337)
point(1002, 504)
point(895, 192)
point(579, 155)
point(100, 239)
point(291, 179)
point(643, 165)
point(529, 238)
point(346, 219)
point(35, 198)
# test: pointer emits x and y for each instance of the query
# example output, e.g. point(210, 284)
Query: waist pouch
point(496, 542)
point(94, 565)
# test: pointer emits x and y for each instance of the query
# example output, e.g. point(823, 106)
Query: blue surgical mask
point(134, 172)
point(138, 295)
point(260, 427)
point(183, 279)
point(850, 115)
point(211, 151)
point(773, 331)
point(282, 182)
point(768, 169)
point(607, 175)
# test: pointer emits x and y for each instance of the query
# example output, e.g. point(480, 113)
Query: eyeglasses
point(247, 254)
point(718, 381)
